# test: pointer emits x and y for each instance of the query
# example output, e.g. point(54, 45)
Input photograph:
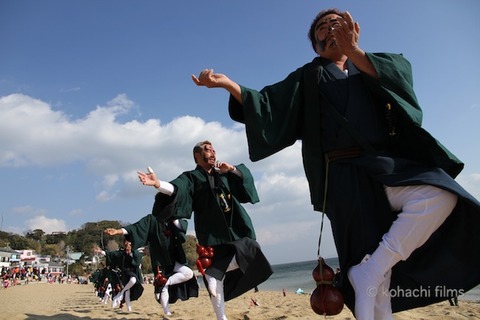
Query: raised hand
point(112, 231)
point(149, 178)
point(210, 79)
point(347, 34)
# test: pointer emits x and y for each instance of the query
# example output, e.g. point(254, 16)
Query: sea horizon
point(295, 276)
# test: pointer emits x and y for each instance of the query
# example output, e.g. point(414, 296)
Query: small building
point(55, 269)
point(75, 256)
point(27, 258)
point(8, 257)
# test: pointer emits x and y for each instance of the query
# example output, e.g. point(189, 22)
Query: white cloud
point(104, 196)
point(471, 183)
point(33, 135)
point(48, 225)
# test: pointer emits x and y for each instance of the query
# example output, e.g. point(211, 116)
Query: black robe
point(386, 118)
point(165, 244)
point(122, 267)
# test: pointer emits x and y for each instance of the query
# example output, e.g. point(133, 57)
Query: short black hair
point(320, 15)
point(199, 147)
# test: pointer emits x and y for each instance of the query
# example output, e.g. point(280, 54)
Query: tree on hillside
point(50, 250)
point(17, 242)
point(146, 265)
point(90, 235)
point(36, 235)
point(61, 249)
point(190, 247)
point(55, 237)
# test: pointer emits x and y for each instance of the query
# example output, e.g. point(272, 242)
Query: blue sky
point(91, 91)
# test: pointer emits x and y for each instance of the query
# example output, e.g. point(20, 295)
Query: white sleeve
point(177, 224)
point(166, 188)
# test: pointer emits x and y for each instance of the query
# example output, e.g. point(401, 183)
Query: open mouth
point(330, 41)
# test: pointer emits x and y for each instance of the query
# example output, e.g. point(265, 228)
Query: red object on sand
point(325, 299)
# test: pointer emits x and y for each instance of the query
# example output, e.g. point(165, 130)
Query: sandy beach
point(42, 301)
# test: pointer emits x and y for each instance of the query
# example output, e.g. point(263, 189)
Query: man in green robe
point(124, 268)
point(214, 191)
point(168, 258)
point(406, 233)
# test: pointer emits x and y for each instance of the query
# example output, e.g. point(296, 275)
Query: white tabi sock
point(218, 301)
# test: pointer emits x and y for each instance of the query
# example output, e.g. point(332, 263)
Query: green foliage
point(52, 250)
point(18, 242)
point(90, 235)
point(190, 247)
point(146, 265)
point(76, 268)
point(36, 235)
point(55, 237)
point(82, 240)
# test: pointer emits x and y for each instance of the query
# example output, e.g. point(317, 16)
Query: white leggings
point(216, 288)
point(423, 209)
point(126, 291)
point(182, 274)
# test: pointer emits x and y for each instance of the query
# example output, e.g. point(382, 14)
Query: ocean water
point(298, 275)
point(293, 276)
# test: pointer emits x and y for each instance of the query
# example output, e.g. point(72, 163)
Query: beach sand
point(42, 301)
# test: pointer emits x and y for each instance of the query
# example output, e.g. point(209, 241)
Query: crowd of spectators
point(12, 276)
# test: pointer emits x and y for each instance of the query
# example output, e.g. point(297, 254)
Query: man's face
point(324, 34)
point(206, 159)
point(128, 246)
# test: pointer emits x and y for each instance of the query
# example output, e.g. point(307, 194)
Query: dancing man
point(214, 191)
point(399, 219)
point(173, 278)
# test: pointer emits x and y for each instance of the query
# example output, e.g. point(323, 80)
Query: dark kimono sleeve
point(148, 230)
point(141, 231)
point(411, 140)
point(271, 116)
point(395, 76)
point(137, 258)
point(184, 192)
point(244, 188)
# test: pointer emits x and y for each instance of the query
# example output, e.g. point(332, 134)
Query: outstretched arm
point(150, 179)
point(113, 232)
point(98, 250)
point(210, 79)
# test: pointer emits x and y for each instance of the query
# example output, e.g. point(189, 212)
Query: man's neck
point(208, 169)
point(340, 60)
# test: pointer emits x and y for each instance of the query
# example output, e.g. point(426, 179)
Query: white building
point(8, 257)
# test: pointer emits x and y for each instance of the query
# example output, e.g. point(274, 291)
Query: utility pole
point(68, 259)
